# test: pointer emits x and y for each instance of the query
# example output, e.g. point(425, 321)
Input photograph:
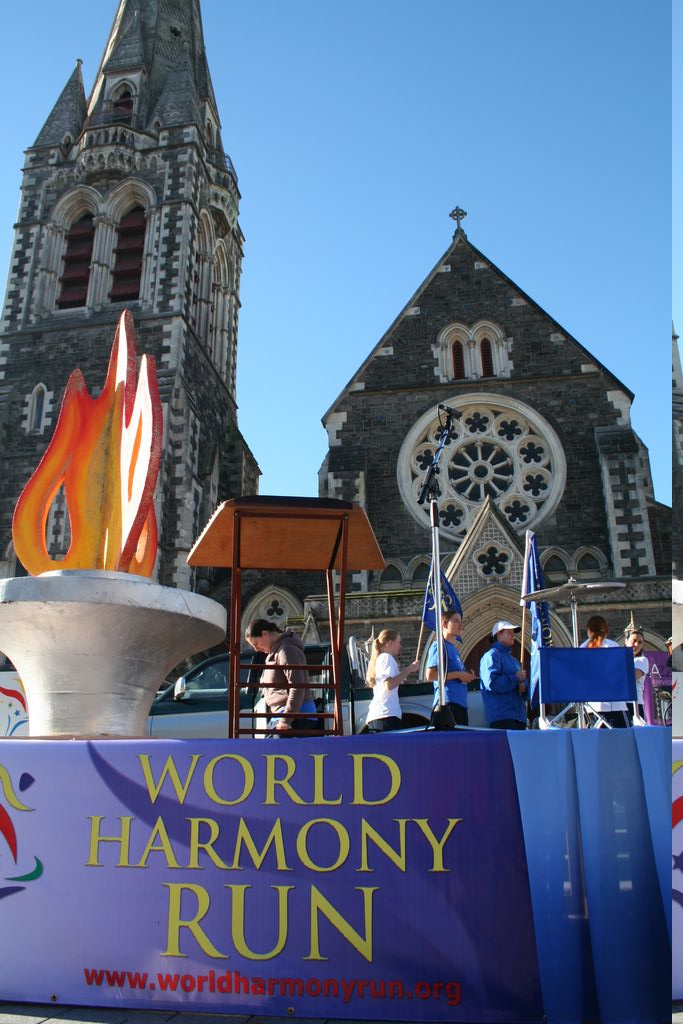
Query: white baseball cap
point(503, 624)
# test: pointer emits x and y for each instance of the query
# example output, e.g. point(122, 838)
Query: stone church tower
point(130, 201)
point(544, 442)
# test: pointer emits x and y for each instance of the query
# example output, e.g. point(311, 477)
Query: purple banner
point(657, 689)
point(677, 870)
point(383, 879)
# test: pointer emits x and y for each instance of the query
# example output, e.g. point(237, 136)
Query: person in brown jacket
point(283, 648)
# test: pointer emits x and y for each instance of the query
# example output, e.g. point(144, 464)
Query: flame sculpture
point(106, 453)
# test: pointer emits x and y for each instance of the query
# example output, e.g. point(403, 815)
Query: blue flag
point(449, 601)
point(541, 632)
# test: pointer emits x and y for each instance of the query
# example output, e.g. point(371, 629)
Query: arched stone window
point(589, 563)
point(122, 105)
point(67, 247)
point(486, 358)
point(219, 310)
point(458, 361)
point(472, 352)
point(554, 565)
point(391, 576)
point(202, 276)
point(126, 230)
point(128, 253)
point(421, 572)
point(37, 409)
point(76, 265)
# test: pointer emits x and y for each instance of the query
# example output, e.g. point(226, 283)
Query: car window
point(208, 677)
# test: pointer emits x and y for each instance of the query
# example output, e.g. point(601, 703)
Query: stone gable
point(544, 434)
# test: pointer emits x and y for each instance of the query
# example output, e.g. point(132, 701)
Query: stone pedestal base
point(92, 648)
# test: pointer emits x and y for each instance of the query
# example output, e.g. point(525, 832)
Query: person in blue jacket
point(503, 681)
point(457, 676)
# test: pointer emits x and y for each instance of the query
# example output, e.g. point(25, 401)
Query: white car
point(196, 705)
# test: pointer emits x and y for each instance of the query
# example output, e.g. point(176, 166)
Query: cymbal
point(572, 586)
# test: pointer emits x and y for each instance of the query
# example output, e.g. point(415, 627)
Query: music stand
point(572, 588)
point(580, 676)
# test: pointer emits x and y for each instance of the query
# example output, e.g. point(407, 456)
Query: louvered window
point(123, 107)
point(486, 358)
point(130, 244)
point(458, 361)
point(76, 270)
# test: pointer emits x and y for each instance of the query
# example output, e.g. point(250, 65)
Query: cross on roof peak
point(458, 215)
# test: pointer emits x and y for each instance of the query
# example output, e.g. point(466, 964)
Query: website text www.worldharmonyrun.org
point(233, 982)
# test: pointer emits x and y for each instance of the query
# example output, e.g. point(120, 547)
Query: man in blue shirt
point(503, 681)
point(456, 675)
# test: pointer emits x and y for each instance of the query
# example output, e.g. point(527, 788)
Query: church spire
point(129, 46)
point(67, 115)
point(178, 101)
point(157, 49)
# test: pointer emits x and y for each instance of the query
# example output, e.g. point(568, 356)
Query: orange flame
point(106, 453)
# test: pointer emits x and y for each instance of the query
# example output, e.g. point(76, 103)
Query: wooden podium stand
point(293, 534)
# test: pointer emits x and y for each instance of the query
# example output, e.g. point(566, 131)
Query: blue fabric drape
point(631, 949)
point(546, 786)
point(654, 752)
point(595, 822)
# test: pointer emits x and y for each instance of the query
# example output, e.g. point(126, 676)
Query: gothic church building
point(543, 442)
point(129, 201)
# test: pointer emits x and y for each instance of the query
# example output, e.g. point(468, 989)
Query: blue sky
point(355, 127)
point(676, 166)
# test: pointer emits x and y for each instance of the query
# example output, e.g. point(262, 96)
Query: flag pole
point(436, 590)
point(523, 603)
point(422, 624)
point(442, 717)
point(419, 641)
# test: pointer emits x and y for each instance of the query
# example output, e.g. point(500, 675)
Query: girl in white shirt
point(634, 639)
point(385, 677)
point(613, 712)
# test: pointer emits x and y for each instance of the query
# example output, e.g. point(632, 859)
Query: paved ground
point(30, 1013)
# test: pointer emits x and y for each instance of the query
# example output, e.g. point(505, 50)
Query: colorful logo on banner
point(676, 818)
point(8, 832)
point(251, 878)
point(13, 709)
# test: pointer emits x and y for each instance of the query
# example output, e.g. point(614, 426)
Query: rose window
point(479, 469)
point(492, 561)
point(499, 449)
